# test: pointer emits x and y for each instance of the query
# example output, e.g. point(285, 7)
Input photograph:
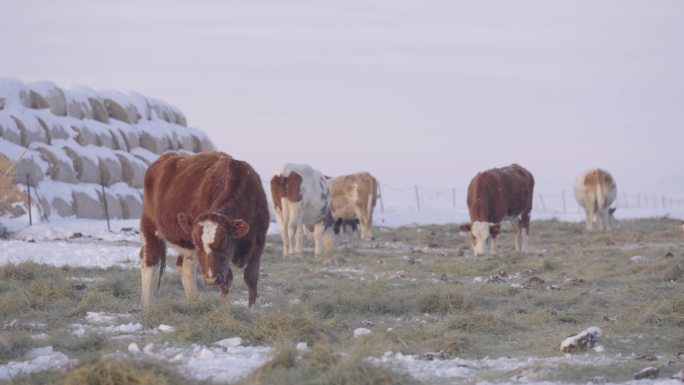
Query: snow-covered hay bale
point(84, 135)
point(38, 101)
point(54, 130)
point(113, 205)
point(145, 155)
point(130, 136)
point(60, 166)
point(30, 130)
point(156, 142)
point(14, 93)
point(87, 165)
point(110, 168)
point(131, 206)
point(8, 129)
point(99, 110)
point(78, 105)
point(87, 202)
point(62, 206)
point(53, 95)
point(116, 111)
point(141, 107)
point(132, 169)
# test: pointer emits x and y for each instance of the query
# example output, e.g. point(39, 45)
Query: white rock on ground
point(582, 340)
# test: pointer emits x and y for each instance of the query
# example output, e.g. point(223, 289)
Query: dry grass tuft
point(121, 372)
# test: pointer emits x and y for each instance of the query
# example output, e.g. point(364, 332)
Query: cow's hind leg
point(589, 208)
point(152, 252)
point(515, 222)
point(524, 230)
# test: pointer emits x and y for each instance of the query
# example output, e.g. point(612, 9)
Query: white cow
point(595, 191)
point(301, 196)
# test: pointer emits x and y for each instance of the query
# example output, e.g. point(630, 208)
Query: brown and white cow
point(495, 195)
point(595, 191)
point(353, 198)
point(301, 197)
point(210, 207)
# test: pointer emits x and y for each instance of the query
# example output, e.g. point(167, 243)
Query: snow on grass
point(62, 253)
point(38, 360)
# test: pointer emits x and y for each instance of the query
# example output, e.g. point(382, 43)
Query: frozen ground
point(88, 243)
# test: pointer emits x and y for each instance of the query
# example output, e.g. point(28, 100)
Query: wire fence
point(393, 198)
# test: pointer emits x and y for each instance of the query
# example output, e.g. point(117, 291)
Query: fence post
point(638, 200)
point(655, 201)
point(417, 198)
point(664, 202)
point(626, 200)
point(453, 195)
point(28, 185)
point(565, 209)
point(104, 199)
point(382, 206)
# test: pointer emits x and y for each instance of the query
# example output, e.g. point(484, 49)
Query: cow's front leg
point(515, 223)
point(492, 245)
point(188, 273)
point(299, 240)
point(319, 228)
point(225, 286)
point(251, 276)
point(152, 252)
point(525, 230)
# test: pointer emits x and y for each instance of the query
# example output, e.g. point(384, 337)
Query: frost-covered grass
point(417, 289)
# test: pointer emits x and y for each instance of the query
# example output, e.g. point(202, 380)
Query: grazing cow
point(595, 190)
point(301, 197)
point(495, 195)
point(353, 198)
point(210, 207)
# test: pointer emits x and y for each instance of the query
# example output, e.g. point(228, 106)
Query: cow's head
point(479, 233)
point(214, 235)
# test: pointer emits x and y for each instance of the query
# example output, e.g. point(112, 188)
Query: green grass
point(413, 287)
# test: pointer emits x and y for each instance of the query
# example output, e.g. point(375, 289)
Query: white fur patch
point(209, 229)
point(480, 231)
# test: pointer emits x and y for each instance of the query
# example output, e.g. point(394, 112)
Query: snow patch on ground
point(38, 360)
point(60, 253)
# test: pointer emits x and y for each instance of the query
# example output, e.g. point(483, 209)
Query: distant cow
point(595, 190)
point(301, 197)
point(210, 207)
point(353, 198)
point(495, 195)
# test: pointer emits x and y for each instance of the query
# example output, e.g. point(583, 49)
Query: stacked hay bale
point(68, 143)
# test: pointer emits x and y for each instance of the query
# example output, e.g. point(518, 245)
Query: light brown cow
point(353, 198)
point(495, 195)
point(595, 191)
point(210, 207)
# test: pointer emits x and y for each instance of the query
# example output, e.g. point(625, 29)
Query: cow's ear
point(465, 227)
point(238, 228)
point(494, 229)
point(184, 222)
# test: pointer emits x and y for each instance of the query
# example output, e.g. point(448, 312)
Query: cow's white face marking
point(209, 229)
point(480, 231)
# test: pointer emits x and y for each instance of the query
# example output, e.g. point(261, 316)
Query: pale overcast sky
point(416, 92)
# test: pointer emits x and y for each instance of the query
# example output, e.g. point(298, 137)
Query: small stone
point(229, 342)
point(361, 332)
point(649, 372)
point(367, 323)
point(669, 254)
point(133, 348)
point(599, 380)
point(431, 356)
point(302, 347)
point(646, 357)
point(585, 339)
point(166, 328)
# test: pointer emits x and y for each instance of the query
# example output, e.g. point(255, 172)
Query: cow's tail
point(162, 263)
point(600, 194)
point(373, 198)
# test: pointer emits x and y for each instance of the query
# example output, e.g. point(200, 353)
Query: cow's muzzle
point(213, 280)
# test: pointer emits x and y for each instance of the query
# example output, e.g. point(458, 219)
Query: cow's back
point(352, 190)
point(500, 192)
point(181, 183)
point(311, 189)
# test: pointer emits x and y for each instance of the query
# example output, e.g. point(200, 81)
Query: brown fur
point(353, 199)
point(181, 190)
point(501, 192)
point(286, 187)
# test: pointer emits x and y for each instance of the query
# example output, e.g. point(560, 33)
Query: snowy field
point(88, 243)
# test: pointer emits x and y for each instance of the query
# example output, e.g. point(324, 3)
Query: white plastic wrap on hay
point(14, 93)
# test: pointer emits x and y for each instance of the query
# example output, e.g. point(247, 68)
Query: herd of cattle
point(213, 210)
